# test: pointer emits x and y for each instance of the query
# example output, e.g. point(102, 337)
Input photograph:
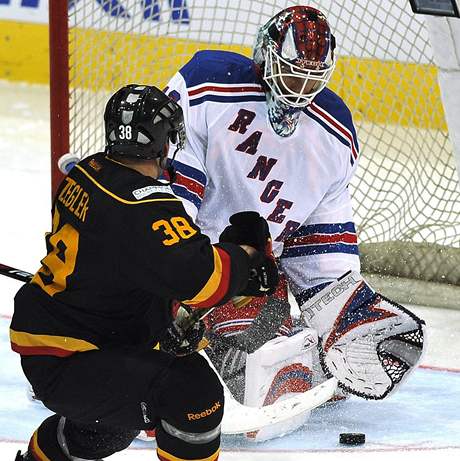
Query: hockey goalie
point(266, 134)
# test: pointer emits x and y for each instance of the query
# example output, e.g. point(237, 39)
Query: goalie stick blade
point(239, 419)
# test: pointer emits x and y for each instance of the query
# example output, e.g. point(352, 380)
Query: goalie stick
point(239, 418)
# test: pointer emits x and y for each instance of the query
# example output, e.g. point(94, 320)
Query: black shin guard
point(190, 413)
point(44, 442)
point(93, 441)
point(59, 439)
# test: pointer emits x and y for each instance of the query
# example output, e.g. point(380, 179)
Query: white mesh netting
point(406, 193)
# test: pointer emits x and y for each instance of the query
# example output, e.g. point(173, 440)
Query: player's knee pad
point(197, 409)
point(230, 363)
point(369, 343)
point(189, 426)
point(234, 333)
point(260, 320)
point(92, 441)
point(176, 443)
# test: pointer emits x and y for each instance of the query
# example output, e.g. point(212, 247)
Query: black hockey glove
point(247, 228)
point(181, 338)
point(263, 276)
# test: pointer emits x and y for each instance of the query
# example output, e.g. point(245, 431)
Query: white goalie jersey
point(234, 161)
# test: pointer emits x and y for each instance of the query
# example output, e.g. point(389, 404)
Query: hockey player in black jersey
point(95, 327)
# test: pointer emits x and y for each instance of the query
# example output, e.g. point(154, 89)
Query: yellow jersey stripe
point(212, 284)
point(122, 200)
point(37, 450)
point(23, 339)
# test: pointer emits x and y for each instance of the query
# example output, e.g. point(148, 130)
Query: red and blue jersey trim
point(190, 183)
point(333, 115)
point(223, 77)
point(317, 239)
point(225, 93)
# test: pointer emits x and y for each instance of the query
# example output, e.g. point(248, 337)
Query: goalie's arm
point(324, 247)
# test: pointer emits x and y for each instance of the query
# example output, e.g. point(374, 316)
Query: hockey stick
point(13, 273)
point(240, 418)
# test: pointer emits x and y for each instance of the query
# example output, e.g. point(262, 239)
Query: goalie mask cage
point(406, 193)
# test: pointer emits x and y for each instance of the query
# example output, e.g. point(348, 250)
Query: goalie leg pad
point(280, 368)
point(235, 332)
point(368, 342)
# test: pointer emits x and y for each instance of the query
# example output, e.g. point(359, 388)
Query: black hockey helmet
point(140, 120)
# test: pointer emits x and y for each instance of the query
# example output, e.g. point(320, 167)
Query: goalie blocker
point(369, 343)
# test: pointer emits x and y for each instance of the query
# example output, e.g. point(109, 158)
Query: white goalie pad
point(368, 342)
point(278, 370)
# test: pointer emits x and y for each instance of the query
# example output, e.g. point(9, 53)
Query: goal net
point(406, 193)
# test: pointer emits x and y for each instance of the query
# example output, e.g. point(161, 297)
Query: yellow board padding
point(384, 92)
point(390, 92)
point(116, 58)
point(24, 52)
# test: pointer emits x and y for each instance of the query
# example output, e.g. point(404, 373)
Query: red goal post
point(59, 86)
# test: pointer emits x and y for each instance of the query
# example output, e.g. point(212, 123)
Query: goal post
point(406, 192)
point(59, 86)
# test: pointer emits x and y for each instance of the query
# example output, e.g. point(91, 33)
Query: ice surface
point(421, 422)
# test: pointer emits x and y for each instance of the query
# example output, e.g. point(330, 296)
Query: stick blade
point(241, 418)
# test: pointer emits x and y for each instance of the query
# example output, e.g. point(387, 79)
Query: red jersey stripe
point(321, 238)
point(222, 288)
point(226, 89)
point(41, 350)
point(335, 124)
point(190, 184)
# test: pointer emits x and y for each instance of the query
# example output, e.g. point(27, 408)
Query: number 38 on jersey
point(174, 229)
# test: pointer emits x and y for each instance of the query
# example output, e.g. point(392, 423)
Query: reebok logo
point(203, 414)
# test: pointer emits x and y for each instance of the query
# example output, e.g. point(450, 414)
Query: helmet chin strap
point(166, 164)
point(283, 118)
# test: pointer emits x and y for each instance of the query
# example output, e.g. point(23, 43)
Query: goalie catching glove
point(185, 334)
point(249, 228)
point(369, 343)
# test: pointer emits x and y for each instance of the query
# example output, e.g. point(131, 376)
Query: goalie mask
point(140, 120)
point(295, 50)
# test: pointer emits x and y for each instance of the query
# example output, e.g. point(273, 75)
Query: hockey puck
point(352, 438)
